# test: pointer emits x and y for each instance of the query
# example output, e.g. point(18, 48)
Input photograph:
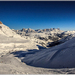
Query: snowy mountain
point(4, 30)
point(29, 30)
point(10, 41)
point(43, 49)
point(60, 56)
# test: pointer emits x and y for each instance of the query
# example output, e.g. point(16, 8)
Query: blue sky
point(38, 14)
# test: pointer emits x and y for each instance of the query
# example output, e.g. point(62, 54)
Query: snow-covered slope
point(59, 56)
point(5, 30)
point(10, 41)
point(67, 35)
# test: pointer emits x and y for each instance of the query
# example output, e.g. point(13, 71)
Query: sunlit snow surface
point(14, 46)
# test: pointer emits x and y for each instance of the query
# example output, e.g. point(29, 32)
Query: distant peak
point(1, 22)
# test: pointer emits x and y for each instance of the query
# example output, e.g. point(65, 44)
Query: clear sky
point(38, 14)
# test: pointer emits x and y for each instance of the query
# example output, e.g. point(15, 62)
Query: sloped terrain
point(28, 53)
point(4, 30)
point(10, 41)
point(12, 65)
point(61, 56)
point(46, 37)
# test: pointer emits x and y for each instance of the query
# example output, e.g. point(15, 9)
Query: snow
point(56, 57)
point(10, 41)
point(8, 32)
point(22, 55)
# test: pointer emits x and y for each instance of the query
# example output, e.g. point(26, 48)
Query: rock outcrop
point(1, 22)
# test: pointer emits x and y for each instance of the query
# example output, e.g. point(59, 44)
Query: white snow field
point(22, 55)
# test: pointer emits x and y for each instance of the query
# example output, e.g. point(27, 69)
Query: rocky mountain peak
point(1, 22)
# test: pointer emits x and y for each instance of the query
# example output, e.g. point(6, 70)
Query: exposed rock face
point(37, 31)
point(23, 30)
point(1, 22)
point(0, 27)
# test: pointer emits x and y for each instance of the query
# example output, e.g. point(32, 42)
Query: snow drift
point(61, 56)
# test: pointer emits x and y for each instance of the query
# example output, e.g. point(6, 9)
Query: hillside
point(36, 51)
point(60, 56)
